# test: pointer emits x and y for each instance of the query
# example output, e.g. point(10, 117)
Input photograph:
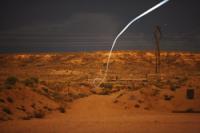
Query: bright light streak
point(120, 33)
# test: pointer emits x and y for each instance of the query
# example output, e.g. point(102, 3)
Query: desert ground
point(55, 93)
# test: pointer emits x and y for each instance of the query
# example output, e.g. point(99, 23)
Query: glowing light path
point(120, 33)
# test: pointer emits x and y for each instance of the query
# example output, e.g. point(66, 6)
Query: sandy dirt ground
point(99, 114)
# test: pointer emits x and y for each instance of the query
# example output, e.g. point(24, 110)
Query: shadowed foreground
point(98, 113)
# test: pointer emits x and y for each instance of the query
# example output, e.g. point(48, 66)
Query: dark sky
point(85, 25)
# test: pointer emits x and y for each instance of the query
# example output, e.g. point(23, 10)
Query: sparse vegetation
point(131, 80)
point(61, 109)
point(46, 90)
point(31, 81)
point(39, 114)
point(36, 114)
point(56, 96)
point(12, 80)
point(7, 110)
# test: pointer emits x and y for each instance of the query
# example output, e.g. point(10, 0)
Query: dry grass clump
point(12, 80)
point(62, 109)
point(32, 81)
point(9, 82)
point(39, 114)
point(36, 114)
point(7, 110)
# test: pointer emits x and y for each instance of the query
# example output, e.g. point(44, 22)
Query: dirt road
point(98, 114)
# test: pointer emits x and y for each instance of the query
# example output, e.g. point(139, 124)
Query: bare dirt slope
point(98, 113)
point(54, 93)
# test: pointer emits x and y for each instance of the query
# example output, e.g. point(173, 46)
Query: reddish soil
point(98, 113)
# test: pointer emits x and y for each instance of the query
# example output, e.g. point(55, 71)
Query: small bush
point(39, 114)
point(7, 110)
point(31, 81)
point(45, 89)
point(11, 80)
point(34, 79)
point(61, 109)
point(9, 99)
point(57, 96)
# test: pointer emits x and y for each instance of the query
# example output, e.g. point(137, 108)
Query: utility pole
point(157, 36)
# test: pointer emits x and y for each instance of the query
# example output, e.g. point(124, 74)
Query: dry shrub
point(39, 114)
point(7, 110)
point(12, 80)
point(61, 109)
point(31, 81)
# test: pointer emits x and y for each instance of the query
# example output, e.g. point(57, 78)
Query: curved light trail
point(120, 33)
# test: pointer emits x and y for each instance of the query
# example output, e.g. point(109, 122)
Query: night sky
point(87, 25)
